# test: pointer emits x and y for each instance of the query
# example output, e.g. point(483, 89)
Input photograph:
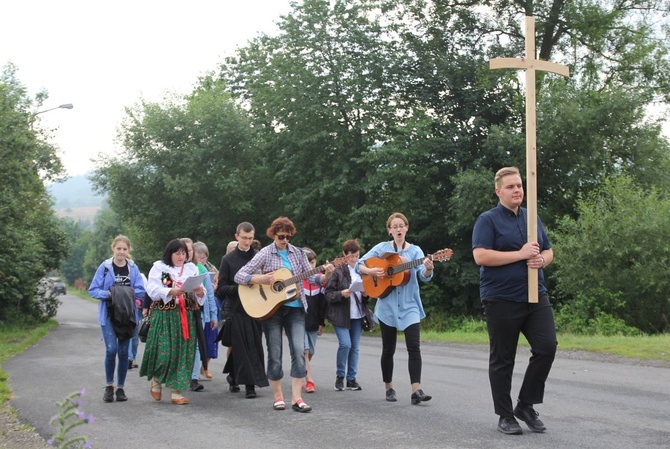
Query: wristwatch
point(543, 262)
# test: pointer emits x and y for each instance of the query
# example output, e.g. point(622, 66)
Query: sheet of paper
point(193, 282)
point(356, 286)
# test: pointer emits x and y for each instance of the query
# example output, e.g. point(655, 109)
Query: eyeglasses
point(284, 236)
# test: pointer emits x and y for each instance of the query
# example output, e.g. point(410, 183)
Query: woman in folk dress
point(171, 344)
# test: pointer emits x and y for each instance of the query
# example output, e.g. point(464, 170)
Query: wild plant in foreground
point(69, 418)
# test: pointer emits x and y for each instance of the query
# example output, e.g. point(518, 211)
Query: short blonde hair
point(505, 171)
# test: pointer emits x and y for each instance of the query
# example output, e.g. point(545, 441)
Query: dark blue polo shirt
point(501, 229)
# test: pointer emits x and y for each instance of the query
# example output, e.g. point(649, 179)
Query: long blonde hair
point(123, 239)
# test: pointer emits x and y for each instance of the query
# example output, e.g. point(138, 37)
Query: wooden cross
point(530, 64)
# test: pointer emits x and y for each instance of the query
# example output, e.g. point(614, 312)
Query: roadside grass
point(83, 294)
point(14, 339)
point(644, 347)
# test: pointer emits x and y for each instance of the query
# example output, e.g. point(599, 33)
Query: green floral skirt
point(167, 355)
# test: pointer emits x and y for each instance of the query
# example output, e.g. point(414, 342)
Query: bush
point(585, 316)
point(612, 259)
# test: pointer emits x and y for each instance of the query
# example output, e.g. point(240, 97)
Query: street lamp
point(63, 106)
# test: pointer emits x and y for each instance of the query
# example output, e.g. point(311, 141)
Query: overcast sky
point(104, 56)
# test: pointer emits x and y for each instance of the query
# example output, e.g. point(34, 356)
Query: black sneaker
point(339, 383)
point(509, 426)
point(528, 415)
point(195, 385)
point(250, 392)
point(108, 396)
point(353, 385)
point(232, 386)
point(390, 395)
point(120, 395)
point(419, 396)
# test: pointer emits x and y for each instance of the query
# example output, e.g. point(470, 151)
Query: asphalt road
point(589, 403)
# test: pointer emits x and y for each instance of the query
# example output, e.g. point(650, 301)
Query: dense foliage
point(356, 109)
point(31, 237)
point(619, 254)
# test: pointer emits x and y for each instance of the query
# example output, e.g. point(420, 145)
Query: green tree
point(32, 239)
point(72, 267)
point(322, 94)
point(98, 242)
point(614, 258)
point(188, 169)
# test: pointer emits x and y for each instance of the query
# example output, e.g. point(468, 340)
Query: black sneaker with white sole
point(339, 383)
point(353, 385)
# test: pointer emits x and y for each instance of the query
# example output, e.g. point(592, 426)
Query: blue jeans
point(115, 346)
point(292, 320)
point(347, 351)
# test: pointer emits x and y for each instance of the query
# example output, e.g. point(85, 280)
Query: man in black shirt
point(246, 362)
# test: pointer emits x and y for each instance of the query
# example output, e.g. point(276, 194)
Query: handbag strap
point(358, 303)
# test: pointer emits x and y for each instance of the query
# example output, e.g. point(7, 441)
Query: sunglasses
point(284, 236)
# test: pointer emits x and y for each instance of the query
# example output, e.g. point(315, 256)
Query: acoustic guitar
point(262, 301)
point(397, 271)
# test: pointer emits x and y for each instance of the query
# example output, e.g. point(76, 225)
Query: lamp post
point(63, 106)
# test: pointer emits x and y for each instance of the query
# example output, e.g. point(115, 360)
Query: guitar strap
point(396, 246)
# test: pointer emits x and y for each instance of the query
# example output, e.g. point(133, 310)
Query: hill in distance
point(76, 199)
point(77, 191)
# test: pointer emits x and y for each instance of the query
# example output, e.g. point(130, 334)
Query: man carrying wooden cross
point(501, 249)
point(511, 247)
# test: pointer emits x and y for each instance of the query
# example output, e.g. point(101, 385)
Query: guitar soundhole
point(277, 287)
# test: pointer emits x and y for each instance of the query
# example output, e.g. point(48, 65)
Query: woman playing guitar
point(401, 308)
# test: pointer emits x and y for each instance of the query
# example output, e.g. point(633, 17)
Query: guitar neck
point(299, 277)
point(407, 265)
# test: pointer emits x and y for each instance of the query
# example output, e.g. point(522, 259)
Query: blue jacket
point(210, 311)
point(104, 279)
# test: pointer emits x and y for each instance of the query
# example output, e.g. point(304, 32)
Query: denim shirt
point(402, 307)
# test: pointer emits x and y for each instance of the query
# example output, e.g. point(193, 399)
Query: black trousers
point(505, 321)
point(413, 343)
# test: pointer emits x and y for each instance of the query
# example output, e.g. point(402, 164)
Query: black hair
point(172, 247)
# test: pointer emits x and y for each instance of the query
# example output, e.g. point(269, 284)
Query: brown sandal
point(155, 389)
